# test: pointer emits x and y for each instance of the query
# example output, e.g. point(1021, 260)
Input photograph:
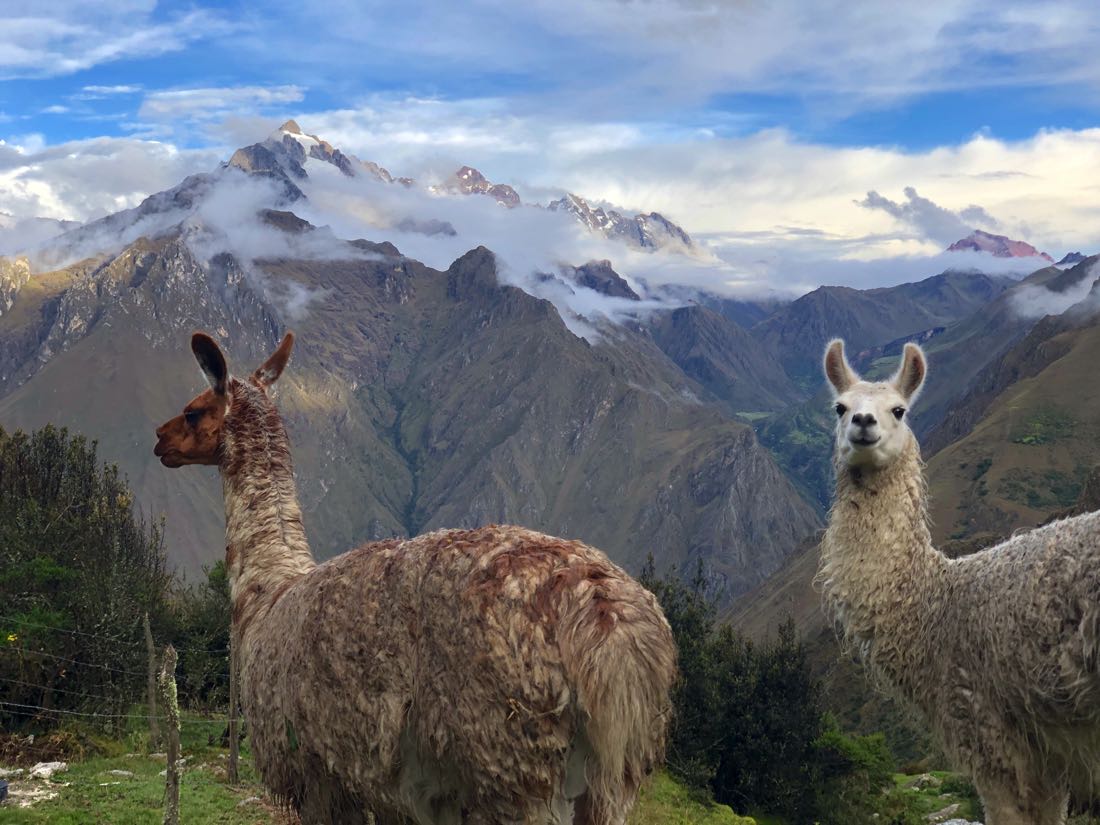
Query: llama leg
point(1024, 806)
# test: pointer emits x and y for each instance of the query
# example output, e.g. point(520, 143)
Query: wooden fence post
point(151, 688)
point(172, 717)
point(234, 701)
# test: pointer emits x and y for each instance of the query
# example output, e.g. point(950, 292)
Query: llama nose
point(863, 420)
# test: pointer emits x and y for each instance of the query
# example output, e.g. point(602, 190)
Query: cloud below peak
point(929, 219)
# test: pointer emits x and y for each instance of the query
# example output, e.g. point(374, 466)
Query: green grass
point(666, 802)
point(88, 794)
point(905, 803)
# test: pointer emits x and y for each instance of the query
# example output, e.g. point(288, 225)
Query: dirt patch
point(58, 746)
point(26, 794)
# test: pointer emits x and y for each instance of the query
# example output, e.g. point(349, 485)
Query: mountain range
point(419, 398)
point(666, 421)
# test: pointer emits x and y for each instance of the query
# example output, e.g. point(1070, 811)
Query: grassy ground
point(925, 794)
point(88, 793)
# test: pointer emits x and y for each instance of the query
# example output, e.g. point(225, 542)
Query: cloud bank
point(777, 214)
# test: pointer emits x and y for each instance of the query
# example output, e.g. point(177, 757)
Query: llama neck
point(878, 564)
point(266, 547)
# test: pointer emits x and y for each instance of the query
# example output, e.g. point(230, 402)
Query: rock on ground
point(44, 770)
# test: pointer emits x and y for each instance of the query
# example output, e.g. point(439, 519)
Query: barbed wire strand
point(89, 714)
point(73, 661)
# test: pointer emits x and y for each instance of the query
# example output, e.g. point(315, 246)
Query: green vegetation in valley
point(801, 440)
point(666, 801)
point(1043, 490)
point(1045, 427)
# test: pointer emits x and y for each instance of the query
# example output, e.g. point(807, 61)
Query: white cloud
point(757, 189)
point(777, 212)
point(215, 103)
point(90, 178)
point(60, 38)
point(1033, 301)
point(112, 90)
point(930, 219)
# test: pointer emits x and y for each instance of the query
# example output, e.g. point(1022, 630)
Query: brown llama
point(494, 675)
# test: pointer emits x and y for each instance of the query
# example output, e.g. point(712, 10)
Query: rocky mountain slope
point(1023, 441)
point(798, 332)
point(417, 399)
point(725, 359)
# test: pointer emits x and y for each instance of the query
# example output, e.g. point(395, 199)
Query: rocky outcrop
point(14, 274)
point(599, 276)
point(469, 181)
point(644, 231)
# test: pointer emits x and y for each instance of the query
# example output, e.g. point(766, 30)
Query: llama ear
point(268, 372)
point(910, 374)
point(211, 360)
point(837, 370)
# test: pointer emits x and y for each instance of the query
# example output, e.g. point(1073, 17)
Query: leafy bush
point(746, 717)
point(854, 771)
point(78, 572)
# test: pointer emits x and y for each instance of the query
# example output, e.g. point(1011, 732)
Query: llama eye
point(898, 412)
point(841, 409)
point(192, 417)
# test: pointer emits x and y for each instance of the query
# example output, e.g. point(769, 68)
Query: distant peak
point(292, 127)
point(999, 246)
point(468, 180)
point(469, 173)
point(1072, 258)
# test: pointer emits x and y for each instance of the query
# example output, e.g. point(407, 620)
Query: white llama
point(997, 650)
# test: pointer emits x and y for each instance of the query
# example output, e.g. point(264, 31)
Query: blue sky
point(966, 68)
point(757, 124)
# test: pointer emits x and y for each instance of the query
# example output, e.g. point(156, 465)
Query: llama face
point(194, 437)
point(872, 429)
point(197, 436)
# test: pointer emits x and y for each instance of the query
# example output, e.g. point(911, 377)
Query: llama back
point(1033, 606)
point(578, 656)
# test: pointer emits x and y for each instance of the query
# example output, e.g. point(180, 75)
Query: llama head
point(872, 429)
point(198, 434)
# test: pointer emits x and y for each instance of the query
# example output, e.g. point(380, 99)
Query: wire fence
point(55, 657)
point(102, 702)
